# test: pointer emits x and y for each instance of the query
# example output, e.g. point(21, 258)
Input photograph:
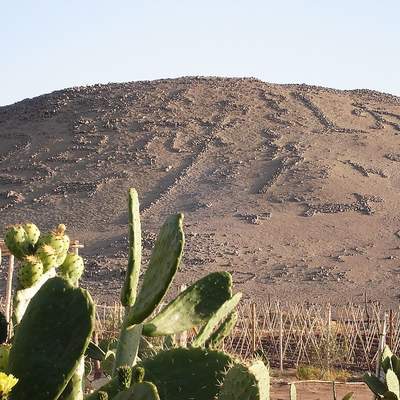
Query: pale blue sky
point(48, 45)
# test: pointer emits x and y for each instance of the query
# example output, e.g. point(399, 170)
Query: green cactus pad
point(16, 241)
point(50, 340)
point(389, 396)
point(375, 384)
point(4, 355)
point(128, 346)
point(72, 268)
point(392, 382)
point(22, 297)
point(246, 383)
point(128, 292)
point(164, 262)
point(74, 388)
point(29, 272)
point(140, 391)
point(195, 306)
point(208, 329)
point(186, 373)
point(217, 338)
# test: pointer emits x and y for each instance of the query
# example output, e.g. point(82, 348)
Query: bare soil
point(292, 188)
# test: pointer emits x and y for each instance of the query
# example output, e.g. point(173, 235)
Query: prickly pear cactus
point(16, 240)
point(120, 382)
point(50, 340)
point(216, 340)
point(129, 289)
point(72, 268)
point(250, 383)
point(186, 373)
point(4, 354)
point(208, 329)
point(164, 262)
point(3, 328)
point(195, 306)
point(47, 256)
point(58, 240)
point(29, 272)
point(140, 391)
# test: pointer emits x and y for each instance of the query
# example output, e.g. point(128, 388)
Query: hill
point(292, 188)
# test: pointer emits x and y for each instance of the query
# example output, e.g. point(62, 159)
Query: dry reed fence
point(288, 335)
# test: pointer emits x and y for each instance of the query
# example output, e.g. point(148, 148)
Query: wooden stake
point(253, 327)
point(280, 340)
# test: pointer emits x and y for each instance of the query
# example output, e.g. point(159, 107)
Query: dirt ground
point(294, 189)
point(321, 391)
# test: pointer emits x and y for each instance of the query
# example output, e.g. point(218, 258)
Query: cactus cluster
point(388, 386)
point(38, 253)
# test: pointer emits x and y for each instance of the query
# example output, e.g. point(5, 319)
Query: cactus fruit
point(29, 272)
point(50, 340)
point(207, 330)
point(250, 383)
point(164, 262)
point(129, 289)
point(16, 240)
point(58, 240)
point(195, 306)
point(47, 256)
point(186, 373)
point(72, 268)
point(3, 328)
point(4, 353)
point(32, 235)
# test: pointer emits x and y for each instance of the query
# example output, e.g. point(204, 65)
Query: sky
point(47, 45)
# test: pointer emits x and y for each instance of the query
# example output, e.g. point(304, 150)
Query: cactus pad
point(207, 330)
point(250, 383)
point(4, 354)
point(186, 373)
point(164, 262)
point(217, 338)
point(50, 340)
point(47, 256)
point(128, 293)
point(195, 306)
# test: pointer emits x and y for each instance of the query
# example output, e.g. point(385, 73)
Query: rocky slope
point(292, 188)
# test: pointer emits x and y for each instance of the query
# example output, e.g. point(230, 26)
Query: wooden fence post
point(280, 340)
point(382, 342)
point(253, 327)
point(329, 326)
